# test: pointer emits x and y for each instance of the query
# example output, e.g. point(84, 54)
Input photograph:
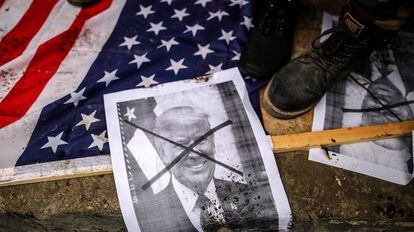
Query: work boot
point(299, 85)
point(269, 45)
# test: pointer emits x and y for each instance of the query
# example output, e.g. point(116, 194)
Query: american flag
point(58, 60)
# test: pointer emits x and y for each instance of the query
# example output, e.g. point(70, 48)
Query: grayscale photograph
point(379, 91)
point(193, 163)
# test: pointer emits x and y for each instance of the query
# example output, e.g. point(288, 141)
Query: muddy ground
point(322, 198)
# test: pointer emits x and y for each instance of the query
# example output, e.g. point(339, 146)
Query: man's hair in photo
point(183, 115)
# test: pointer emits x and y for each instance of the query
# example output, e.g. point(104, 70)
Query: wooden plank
point(303, 141)
point(57, 170)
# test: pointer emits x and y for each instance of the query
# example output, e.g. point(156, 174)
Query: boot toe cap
point(297, 86)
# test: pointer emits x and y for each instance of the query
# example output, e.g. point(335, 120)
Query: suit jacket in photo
point(243, 209)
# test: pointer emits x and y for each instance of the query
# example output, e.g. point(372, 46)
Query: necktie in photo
point(207, 219)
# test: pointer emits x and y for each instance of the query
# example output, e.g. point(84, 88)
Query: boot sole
point(278, 113)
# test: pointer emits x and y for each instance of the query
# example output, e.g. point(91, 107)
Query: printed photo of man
point(193, 163)
point(384, 101)
point(207, 202)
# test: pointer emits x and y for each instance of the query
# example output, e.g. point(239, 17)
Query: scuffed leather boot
point(299, 85)
point(269, 45)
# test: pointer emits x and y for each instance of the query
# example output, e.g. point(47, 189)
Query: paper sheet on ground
point(372, 95)
point(244, 184)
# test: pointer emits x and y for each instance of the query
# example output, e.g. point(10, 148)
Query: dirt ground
point(322, 198)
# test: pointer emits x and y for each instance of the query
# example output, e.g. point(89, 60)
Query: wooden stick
point(283, 143)
point(303, 141)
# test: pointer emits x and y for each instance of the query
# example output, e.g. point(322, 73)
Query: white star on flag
point(167, 1)
point(202, 2)
point(219, 14)
point(168, 43)
point(147, 81)
point(130, 113)
point(98, 140)
point(180, 14)
point(176, 65)
point(108, 77)
point(145, 11)
point(87, 120)
point(156, 27)
point(248, 22)
point(129, 42)
point(54, 142)
point(236, 55)
point(241, 3)
point(203, 50)
point(194, 28)
point(139, 60)
point(227, 36)
point(76, 97)
point(214, 69)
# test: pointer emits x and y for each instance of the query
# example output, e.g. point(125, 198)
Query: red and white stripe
point(49, 63)
point(10, 14)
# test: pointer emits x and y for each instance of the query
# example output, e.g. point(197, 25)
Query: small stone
point(338, 181)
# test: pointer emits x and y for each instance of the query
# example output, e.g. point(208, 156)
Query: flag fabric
point(58, 60)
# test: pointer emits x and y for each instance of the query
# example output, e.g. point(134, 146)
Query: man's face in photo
point(193, 171)
point(388, 94)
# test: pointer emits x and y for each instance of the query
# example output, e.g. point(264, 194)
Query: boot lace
point(338, 49)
